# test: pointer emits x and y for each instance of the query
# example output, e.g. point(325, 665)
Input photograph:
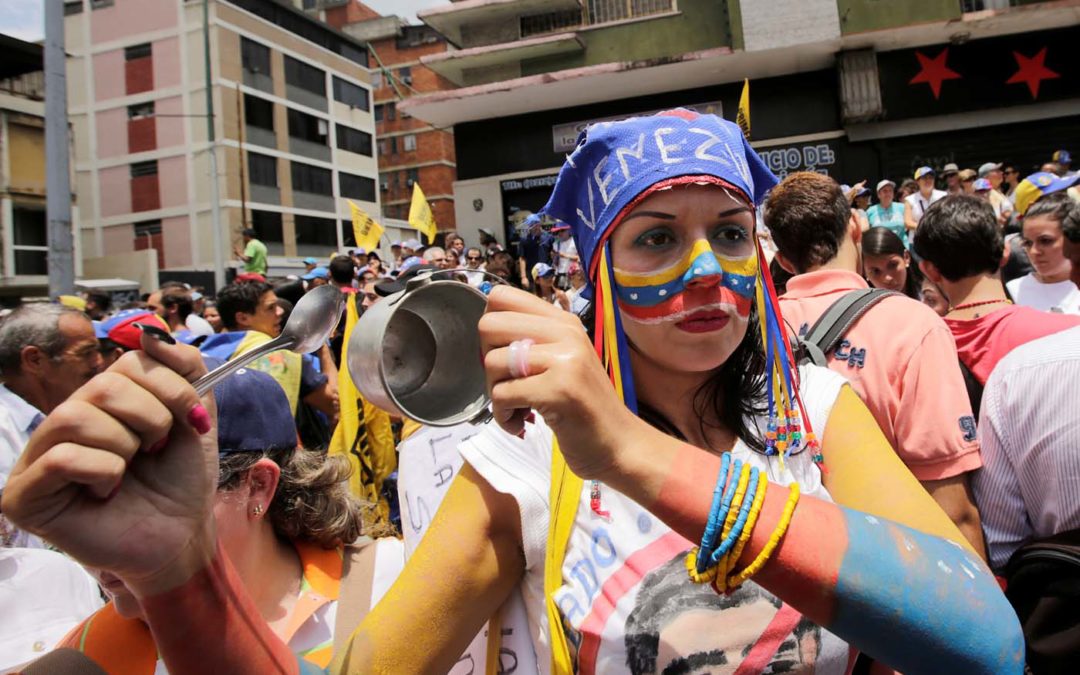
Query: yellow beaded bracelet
point(727, 563)
point(774, 541)
point(691, 568)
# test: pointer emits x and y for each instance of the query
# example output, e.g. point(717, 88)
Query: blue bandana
point(614, 162)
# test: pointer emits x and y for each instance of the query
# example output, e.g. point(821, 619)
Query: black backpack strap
point(831, 326)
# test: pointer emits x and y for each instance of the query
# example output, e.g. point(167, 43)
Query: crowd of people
point(284, 524)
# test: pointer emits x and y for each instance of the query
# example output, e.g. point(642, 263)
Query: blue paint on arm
point(922, 604)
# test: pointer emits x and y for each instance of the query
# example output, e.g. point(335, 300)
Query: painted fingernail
point(157, 333)
point(157, 447)
point(199, 419)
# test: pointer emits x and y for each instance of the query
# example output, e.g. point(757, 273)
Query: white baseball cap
point(883, 183)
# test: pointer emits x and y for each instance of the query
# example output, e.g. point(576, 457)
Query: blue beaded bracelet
point(740, 522)
point(718, 516)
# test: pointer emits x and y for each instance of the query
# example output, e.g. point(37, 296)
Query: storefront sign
point(528, 183)
point(564, 136)
point(817, 157)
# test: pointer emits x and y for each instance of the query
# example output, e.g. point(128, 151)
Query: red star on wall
point(934, 71)
point(1032, 71)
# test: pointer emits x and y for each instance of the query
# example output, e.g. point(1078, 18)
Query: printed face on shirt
point(685, 273)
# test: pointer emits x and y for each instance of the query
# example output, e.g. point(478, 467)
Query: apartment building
point(410, 150)
point(857, 89)
point(23, 232)
point(293, 130)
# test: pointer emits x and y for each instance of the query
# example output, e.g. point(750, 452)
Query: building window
point(308, 127)
point(100, 4)
point(268, 230)
point(309, 4)
point(405, 75)
point(137, 51)
point(408, 142)
point(254, 56)
point(30, 241)
point(73, 7)
point(316, 234)
point(376, 79)
point(140, 110)
point(144, 169)
point(384, 180)
point(384, 112)
point(353, 140)
point(308, 78)
point(350, 94)
point(356, 187)
point(311, 179)
point(412, 176)
point(147, 228)
point(258, 112)
point(262, 169)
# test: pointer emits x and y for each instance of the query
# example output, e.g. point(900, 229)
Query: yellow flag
point(742, 118)
point(420, 215)
point(365, 230)
point(363, 434)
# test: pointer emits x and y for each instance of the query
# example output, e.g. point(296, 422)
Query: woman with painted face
point(1048, 286)
point(887, 263)
point(681, 419)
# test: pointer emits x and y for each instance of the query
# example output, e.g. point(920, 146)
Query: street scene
point(547, 338)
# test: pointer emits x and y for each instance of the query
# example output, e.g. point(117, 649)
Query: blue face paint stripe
point(952, 615)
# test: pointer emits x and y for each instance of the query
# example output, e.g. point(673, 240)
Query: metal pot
point(417, 353)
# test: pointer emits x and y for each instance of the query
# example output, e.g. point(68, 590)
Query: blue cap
point(1038, 185)
point(923, 171)
point(616, 162)
point(411, 261)
point(121, 329)
point(317, 273)
point(99, 332)
point(542, 270)
point(310, 261)
point(1062, 157)
point(253, 414)
point(982, 185)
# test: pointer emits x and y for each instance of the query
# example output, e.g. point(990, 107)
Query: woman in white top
point(1047, 286)
point(662, 209)
point(915, 204)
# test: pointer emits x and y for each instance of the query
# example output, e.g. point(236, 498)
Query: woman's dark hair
point(735, 394)
point(883, 241)
point(1060, 207)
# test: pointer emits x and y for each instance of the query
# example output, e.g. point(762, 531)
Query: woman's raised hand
point(558, 375)
point(121, 476)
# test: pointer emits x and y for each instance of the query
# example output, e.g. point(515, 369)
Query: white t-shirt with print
point(625, 590)
point(1062, 297)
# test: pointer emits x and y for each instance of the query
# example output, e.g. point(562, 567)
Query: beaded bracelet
point(708, 540)
point(744, 509)
point(736, 503)
point(774, 541)
point(727, 563)
point(718, 491)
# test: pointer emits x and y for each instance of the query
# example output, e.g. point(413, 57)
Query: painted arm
point(867, 578)
point(463, 570)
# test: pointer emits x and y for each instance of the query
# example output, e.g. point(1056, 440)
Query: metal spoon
point(308, 327)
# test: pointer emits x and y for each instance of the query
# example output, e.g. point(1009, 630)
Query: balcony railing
point(592, 13)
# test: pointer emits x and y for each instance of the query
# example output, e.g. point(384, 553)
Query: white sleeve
point(521, 469)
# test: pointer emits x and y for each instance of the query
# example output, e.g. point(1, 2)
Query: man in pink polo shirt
point(899, 357)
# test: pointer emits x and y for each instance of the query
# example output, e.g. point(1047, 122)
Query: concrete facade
point(137, 102)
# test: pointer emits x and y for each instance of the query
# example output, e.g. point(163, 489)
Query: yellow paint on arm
point(865, 473)
point(465, 567)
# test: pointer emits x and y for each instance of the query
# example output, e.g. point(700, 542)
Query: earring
point(257, 510)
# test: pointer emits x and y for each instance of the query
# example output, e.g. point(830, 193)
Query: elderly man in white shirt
point(1029, 430)
point(47, 351)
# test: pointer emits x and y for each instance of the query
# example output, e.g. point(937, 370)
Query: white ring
point(519, 358)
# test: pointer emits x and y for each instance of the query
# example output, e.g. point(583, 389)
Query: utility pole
point(215, 207)
point(61, 258)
